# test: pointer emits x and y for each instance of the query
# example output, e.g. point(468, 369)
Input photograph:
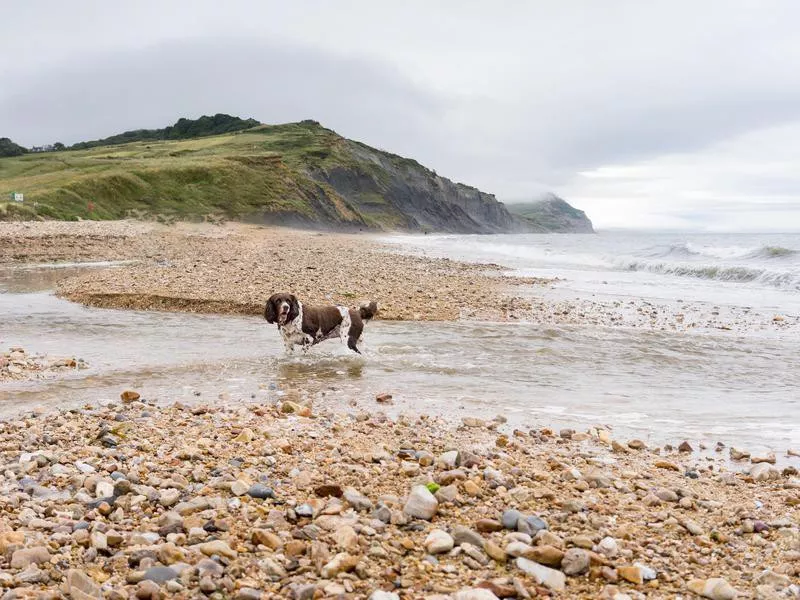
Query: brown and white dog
point(305, 326)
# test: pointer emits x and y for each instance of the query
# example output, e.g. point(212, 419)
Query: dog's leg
point(351, 343)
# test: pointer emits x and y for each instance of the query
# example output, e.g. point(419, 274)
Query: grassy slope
point(244, 174)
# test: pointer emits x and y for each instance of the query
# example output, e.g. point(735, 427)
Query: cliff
point(552, 214)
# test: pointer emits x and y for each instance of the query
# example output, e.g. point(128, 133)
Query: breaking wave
point(719, 272)
point(690, 250)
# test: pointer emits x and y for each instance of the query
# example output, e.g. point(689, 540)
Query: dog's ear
point(270, 314)
point(294, 308)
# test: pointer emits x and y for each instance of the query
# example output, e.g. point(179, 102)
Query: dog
point(305, 326)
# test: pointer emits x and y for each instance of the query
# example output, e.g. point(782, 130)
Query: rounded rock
point(438, 542)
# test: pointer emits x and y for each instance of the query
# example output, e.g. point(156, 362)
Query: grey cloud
point(275, 84)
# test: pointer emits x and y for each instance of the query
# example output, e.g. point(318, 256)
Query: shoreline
point(233, 268)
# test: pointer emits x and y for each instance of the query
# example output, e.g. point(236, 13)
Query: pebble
point(217, 547)
point(769, 459)
point(421, 504)
point(550, 578)
point(22, 559)
point(495, 552)
point(714, 589)
point(474, 594)
point(471, 488)
point(693, 527)
point(160, 575)
point(247, 593)
point(238, 488)
point(81, 587)
point(448, 460)
point(346, 539)
point(631, 573)
point(260, 491)
point(738, 454)
point(381, 595)
point(341, 563)
point(169, 497)
point(510, 518)
point(531, 525)
point(147, 590)
point(608, 547)
point(438, 542)
point(575, 562)
point(488, 526)
point(465, 535)
point(667, 495)
point(356, 499)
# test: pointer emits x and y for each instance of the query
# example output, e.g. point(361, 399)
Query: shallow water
point(659, 387)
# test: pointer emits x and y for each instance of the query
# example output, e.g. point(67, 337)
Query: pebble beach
point(290, 497)
point(133, 500)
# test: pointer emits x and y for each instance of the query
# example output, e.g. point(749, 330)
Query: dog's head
point(281, 308)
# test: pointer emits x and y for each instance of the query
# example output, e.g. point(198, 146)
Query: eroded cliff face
point(395, 192)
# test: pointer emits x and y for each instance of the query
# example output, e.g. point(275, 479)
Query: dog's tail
point(367, 311)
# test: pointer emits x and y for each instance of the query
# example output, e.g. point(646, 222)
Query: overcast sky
point(662, 114)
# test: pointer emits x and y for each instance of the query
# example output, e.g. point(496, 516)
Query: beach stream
point(660, 387)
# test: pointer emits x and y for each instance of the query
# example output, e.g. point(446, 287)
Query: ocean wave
point(691, 250)
point(774, 252)
point(718, 272)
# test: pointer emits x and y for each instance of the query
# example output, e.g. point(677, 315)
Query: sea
point(739, 388)
point(747, 270)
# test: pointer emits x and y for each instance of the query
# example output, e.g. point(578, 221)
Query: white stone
point(608, 547)
point(714, 588)
point(381, 595)
point(474, 594)
point(555, 580)
point(448, 459)
point(438, 542)
point(169, 497)
point(421, 504)
point(104, 489)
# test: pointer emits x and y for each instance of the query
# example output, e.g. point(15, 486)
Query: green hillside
point(295, 174)
point(234, 175)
